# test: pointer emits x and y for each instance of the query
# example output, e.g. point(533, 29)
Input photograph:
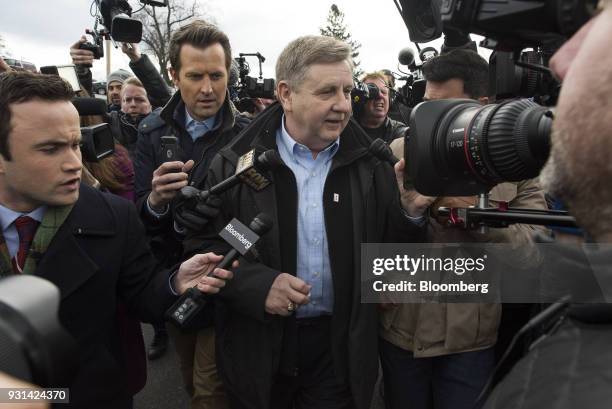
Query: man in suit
point(89, 244)
point(293, 332)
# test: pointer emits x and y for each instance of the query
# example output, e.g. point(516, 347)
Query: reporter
point(91, 245)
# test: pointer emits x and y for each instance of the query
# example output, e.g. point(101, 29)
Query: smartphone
point(170, 148)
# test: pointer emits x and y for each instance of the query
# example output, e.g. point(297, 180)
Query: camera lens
point(494, 143)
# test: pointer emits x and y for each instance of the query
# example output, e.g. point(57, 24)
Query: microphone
point(234, 74)
point(184, 311)
point(249, 170)
point(90, 106)
point(382, 151)
point(406, 56)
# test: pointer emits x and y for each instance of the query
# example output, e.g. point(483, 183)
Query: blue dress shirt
point(312, 250)
point(197, 129)
point(9, 231)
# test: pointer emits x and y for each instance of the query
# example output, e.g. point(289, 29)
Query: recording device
point(382, 151)
point(361, 94)
point(250, 170)
point(97, 142)
point(67, 72)
point(116, 18)
point(412, 92)
point(170, 148)
point(96, 46)
point(33, 345)
point(242, 239)
point(249, 87)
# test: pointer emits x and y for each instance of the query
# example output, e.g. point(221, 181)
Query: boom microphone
point(406, 56)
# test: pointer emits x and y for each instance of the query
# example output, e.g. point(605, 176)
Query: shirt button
point(316, 274)
point(313, 302)
point(315, 241)
point(314, 205)
point(313, 174)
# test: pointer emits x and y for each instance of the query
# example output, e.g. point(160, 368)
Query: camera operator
point(203, 119)
point(91, 245)
point(157, 90)
point(457, 364)
point(578, 171)
point(373, 118)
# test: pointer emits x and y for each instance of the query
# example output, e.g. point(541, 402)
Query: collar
point(208, 123)
point(292, 146)
point(8, 216)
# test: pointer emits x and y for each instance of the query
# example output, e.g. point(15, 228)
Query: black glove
point(194, 214)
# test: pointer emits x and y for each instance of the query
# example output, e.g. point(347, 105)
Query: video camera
point(115, 16)
point(248, 87)
point(460, 148)
point(361, 94)
point(411, 93)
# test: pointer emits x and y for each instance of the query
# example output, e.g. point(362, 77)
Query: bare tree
point(158, 24)
point(2, 45)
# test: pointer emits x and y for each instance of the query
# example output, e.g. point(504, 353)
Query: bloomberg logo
point(239, 236)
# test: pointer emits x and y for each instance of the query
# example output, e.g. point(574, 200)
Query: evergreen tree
point(336, 28)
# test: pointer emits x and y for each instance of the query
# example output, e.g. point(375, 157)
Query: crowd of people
point(285, 326)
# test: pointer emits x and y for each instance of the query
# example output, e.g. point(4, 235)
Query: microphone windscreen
point(90, 106)
point(234, 74)
point(406, 56)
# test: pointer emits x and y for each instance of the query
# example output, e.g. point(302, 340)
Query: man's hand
point(81, 57)
point(196, 270)
point(4, 67)
point(287, 289)
point(168, 179)
point(131, 50)
point(413, 202)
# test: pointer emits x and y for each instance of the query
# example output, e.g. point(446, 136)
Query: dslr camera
point(461, 148)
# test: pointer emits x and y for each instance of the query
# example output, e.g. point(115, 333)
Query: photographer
point(373, 117)
point(203, 120)
point(578, 171)
point(157, 90)
point(91, 245)
point(448, 349)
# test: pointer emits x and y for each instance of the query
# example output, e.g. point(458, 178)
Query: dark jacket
point(125, 130)
point(252, 346)
point(157, 90)
point(388, 131)
point(171, 121)
point(98, 257)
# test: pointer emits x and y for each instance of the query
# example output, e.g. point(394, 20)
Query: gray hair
point(301, 53)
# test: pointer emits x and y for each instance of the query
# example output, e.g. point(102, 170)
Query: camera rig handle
point(503, 216)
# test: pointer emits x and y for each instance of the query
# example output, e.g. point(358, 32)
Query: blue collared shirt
point(197, 129)
point(9, 231)
point(312, 250)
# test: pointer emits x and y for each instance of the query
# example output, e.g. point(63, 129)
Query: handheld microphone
point(382, 151)
point(241, 238)
point(250, 170)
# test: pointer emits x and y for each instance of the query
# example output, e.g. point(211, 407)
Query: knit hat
point(120, 76)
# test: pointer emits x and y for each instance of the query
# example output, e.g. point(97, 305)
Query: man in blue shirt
point(202, 118)
point(292, 332)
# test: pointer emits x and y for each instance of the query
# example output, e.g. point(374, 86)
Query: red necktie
point(26, 228)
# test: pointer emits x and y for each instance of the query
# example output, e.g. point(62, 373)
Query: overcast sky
point(41, 31)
